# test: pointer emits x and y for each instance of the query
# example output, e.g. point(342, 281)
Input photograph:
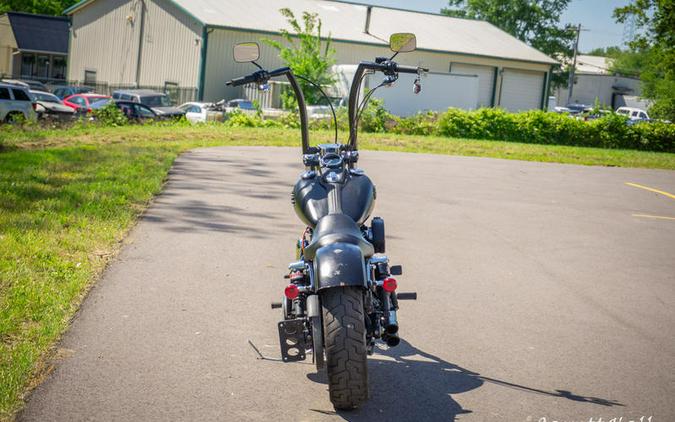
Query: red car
point(81, 102)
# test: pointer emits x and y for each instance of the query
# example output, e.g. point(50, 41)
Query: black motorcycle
point(341, 296)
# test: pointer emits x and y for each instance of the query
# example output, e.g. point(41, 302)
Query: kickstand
point(260, 355)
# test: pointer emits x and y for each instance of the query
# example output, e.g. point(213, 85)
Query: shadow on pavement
point(409, 384)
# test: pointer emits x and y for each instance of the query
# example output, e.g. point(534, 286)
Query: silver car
point(16, 103)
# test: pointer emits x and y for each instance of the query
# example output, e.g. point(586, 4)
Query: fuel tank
point(356, 197)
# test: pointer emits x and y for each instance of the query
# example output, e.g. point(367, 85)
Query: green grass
point(67, 198)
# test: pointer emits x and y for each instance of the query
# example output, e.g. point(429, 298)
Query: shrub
point(374, 117)
point(110, 115)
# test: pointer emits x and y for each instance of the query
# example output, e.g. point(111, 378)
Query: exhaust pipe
point(392, 340)
point(391, 326)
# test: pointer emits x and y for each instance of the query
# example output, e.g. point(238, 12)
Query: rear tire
point(345, 345)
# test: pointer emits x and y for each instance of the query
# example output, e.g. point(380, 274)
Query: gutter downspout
point(140, 44)
point(544, 96)
point(369, 12)
point(202, 63)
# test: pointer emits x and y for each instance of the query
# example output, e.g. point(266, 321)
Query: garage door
point(486, 80)
point(521, 90)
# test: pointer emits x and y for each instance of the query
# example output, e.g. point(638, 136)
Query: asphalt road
point(541, 295)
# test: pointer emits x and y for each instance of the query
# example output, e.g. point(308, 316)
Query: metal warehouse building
point(188, 43)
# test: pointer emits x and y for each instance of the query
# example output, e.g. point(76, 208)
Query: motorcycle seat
point(334, 228)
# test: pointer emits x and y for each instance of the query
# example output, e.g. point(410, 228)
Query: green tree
point(655, 44)
point(44, 7)
point(535, 22)
point(306, 54)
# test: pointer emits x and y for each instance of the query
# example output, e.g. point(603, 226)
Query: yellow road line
point(658, 217)
point(635, 185)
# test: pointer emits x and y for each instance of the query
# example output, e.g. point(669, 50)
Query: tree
point(535, 22)
point(306, 54)
point(655, 44)
point(44, 7)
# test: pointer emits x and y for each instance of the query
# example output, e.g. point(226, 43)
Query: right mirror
point(246, 52)
point(402, 42)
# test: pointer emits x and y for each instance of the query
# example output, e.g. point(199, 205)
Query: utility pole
point(574, 65)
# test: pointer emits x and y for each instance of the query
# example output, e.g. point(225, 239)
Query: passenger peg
point(276, 305)
point(396, 270)
point(406, 296)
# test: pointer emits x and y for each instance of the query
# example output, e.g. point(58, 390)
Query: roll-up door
point(521, 90)
point(486, 80)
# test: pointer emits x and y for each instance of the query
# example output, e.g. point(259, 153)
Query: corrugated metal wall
point(171, 46)
point(220, 67)
point(105, 38)
point(7, 43)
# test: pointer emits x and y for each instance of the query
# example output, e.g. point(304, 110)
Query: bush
point(110, 115)
point(374, 118)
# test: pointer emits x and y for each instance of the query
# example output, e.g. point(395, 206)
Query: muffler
point(392, 340)
point(391, 325)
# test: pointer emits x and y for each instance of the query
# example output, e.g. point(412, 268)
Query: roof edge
point(82, 3)
point(39, 15)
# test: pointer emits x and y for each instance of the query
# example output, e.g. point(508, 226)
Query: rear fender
point(338, 265)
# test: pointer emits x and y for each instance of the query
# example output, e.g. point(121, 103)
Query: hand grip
point(242, 81)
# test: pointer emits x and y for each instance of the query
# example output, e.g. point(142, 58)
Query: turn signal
point(389, 284)
point(292, 291)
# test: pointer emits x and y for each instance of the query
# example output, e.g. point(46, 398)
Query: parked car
point(82, 102)
point(132, 110)
point(15, 103)
point(319, 112)
point(560, 109)
point(50, 106)
point(578, 108)
point(203, 112)
point(160, 102)
point(68, 90)
point(633, 113)
point(239, 104)
point(28, 83)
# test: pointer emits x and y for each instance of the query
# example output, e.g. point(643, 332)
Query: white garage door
point(521, 90)
point(486, 80)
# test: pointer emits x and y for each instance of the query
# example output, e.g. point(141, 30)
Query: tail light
point(389, 284)
point(291, 291)
point(34, 106)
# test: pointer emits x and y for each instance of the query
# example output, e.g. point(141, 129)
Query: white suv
point(15, 103)
point(633, 113)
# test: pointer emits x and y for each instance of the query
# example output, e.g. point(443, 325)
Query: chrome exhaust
point(391, 326)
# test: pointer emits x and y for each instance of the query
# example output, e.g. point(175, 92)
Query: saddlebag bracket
point(292, 339)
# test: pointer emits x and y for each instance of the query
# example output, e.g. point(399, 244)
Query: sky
point(595, 17)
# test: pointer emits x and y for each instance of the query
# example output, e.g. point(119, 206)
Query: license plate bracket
point(292, 340)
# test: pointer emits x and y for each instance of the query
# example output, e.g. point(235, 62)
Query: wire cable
point(330, 103)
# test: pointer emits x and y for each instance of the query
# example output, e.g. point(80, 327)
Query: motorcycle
point(341, 295)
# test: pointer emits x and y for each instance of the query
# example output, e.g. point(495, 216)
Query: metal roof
point(346, 21)
point(39, 32)
point(593, 64)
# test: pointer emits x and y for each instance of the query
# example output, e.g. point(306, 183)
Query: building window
point(59, 67)
point(27, 65)
point(90, 77)
point(171, 89)
point(42, 70)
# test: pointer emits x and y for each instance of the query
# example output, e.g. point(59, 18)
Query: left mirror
point(246, 52)
point(402, 42)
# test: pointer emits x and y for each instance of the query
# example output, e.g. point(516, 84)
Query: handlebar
point(391, 67)
point(244, 80)
point(260, 77)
